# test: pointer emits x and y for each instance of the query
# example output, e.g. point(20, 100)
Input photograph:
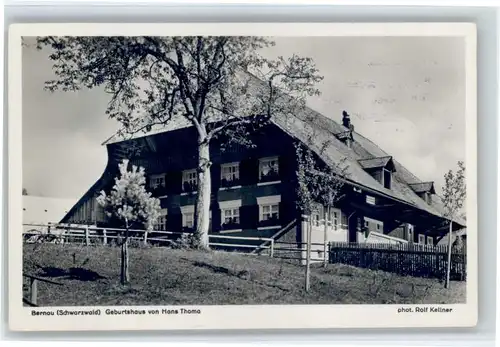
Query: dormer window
point(380, 168)
point(424, 190)
point(387, 178)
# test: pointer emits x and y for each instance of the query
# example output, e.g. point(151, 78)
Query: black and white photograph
point(166, 174)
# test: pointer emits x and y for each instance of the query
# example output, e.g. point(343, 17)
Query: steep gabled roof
point(320, 134)
point(316, 131)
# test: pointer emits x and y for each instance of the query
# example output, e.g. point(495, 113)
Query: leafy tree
point(330, 192)
point(453, 197)
point(200, 81)
point(130, 203)
point(318, 186)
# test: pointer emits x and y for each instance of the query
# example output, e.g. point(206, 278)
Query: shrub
point(135, 243)
point(184, 242)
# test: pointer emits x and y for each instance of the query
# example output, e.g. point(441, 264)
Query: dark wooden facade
point(165, 156)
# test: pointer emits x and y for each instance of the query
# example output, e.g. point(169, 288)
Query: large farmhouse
point(254, 189)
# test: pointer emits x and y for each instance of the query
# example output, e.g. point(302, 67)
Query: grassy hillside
point(161, 276)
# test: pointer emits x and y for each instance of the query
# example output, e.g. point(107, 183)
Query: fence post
point(272, 248)
point(464, 261)
point(308, 253)
point(33, 290)
point(448, 263)
point(87, 241)
point(325, 234)
point(105, 237)
point(329, 252)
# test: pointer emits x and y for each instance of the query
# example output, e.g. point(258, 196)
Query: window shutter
point(249, 171)
point(281, 166)
point(282, 208)
point(216, 219)
point(249, 216)
point(175, 182)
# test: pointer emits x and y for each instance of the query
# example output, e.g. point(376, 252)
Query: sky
point(406, 94)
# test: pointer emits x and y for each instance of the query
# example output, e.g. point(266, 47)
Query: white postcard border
point(237, 316)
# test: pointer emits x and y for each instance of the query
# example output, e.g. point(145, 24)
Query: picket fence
point(403, 259)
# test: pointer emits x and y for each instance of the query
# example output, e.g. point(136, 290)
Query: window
point(316, 219)
point(430, 241)
point(189, 180)
point(343, 217)
point(334, 218)
point(378, 226)
point(188, 220)
point(156, 181)
point(100, 214)
point(410, 232)
point(230, 214)
point(230, 174)
point(269, 209)
point(387, 178)
point(427, 197)
point(366, 223)
point(187, 216)
point(161, 222)
point(269, 169)
point(421, 239)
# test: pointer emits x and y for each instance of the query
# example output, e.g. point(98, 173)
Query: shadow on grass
point(73, 273)
point(244, 274)
point(214, 268)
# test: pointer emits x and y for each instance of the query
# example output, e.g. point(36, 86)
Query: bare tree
point(199, 81)
point(454, 193)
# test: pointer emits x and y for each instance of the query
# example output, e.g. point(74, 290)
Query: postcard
point(242, 176)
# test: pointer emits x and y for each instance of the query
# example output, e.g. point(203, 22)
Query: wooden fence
point(31, 300)
point(403, 259)
point(91, 235)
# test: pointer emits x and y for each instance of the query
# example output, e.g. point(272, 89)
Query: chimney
point(346, 122)
point(346, 119)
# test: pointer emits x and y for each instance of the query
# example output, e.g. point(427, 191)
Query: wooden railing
point(86, 234)
point(33, 288)
point(272, 240)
